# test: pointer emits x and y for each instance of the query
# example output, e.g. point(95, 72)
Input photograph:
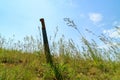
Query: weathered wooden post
point(46, 44)
point(47, 52)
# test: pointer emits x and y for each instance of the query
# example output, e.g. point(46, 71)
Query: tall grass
point(25, 60)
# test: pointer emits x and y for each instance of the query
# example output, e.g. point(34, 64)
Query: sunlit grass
point(26, 60)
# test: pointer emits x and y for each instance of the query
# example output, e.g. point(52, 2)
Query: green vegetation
point(26, 60)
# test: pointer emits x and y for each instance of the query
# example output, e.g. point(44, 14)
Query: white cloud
point(95, 17)
point(113, 33)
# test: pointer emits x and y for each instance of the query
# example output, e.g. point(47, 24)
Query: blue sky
point(21, 17)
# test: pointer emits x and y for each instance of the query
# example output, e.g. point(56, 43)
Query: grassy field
point(26, 60)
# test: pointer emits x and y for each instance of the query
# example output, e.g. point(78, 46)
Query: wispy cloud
point(113, 33)
point(95, 17)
